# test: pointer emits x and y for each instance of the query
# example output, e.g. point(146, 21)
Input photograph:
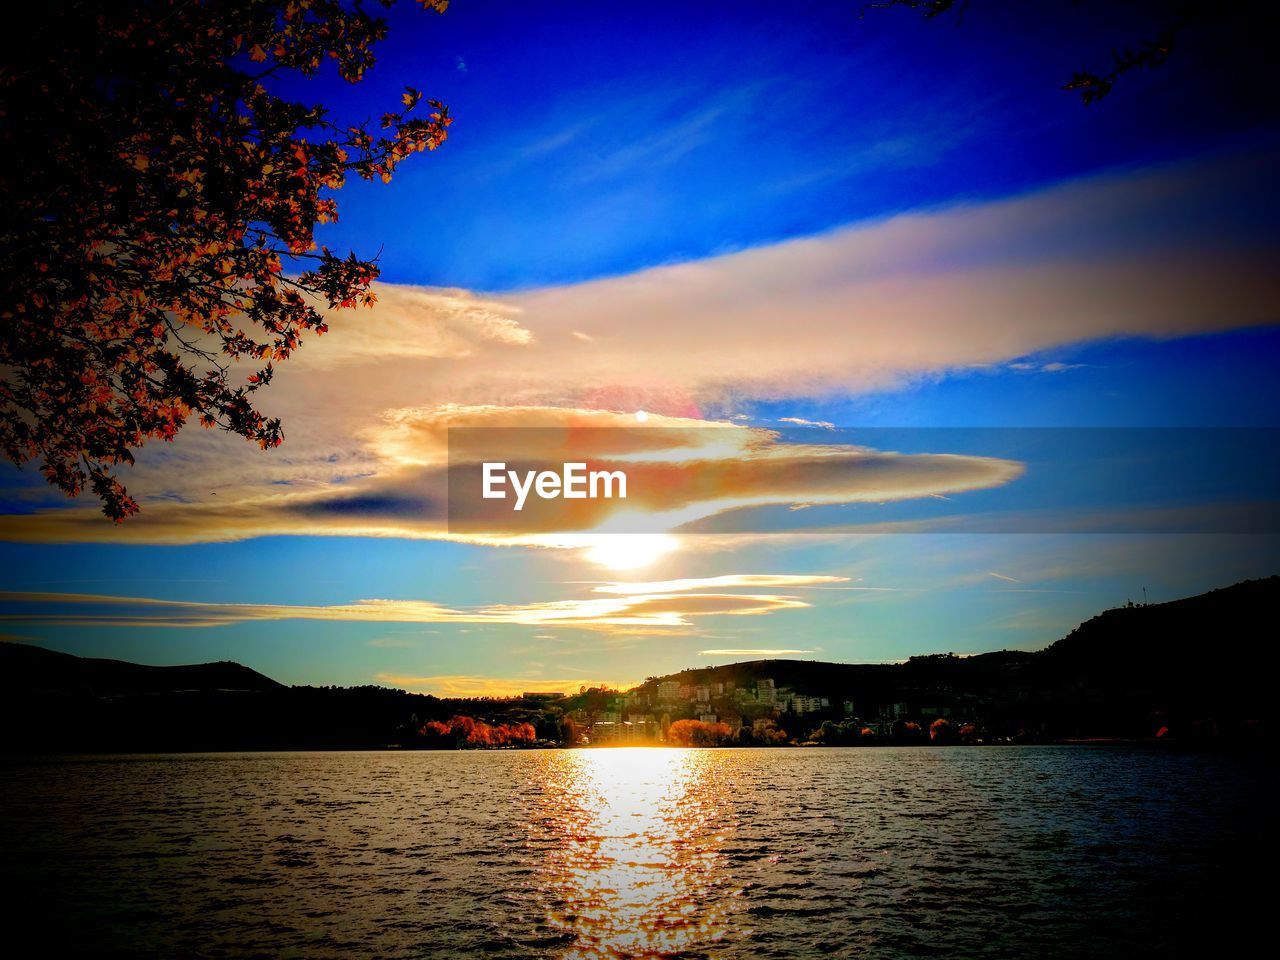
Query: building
point(766, 692)
point(802, 704)
point(669, 691)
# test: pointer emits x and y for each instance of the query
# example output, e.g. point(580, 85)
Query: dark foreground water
point(949, 852)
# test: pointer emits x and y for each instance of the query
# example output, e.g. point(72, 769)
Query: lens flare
point(628, 551)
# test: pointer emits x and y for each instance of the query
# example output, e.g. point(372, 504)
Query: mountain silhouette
point(29, 668)
point(1196, 669)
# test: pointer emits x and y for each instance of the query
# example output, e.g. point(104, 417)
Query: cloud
point(678, 470)
point(1154, 253)
point(800, 421)
point(423, 323)
point(1001, 576)
point(724, 582)
point(468, 685)
point(662, 606)
point(1053, 366)
point(751, 652)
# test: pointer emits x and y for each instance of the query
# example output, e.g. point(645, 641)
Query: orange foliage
point(160, 203)
point(697, 733)
point(469, 732)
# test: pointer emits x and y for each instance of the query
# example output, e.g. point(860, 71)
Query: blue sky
point(875, 222)
point(595, 139)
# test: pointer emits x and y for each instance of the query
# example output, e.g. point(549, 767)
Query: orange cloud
point(666, 607)
point(861, 308)
point(727, 581)
point(678, 471)
point(751, 652)
point(466, 685)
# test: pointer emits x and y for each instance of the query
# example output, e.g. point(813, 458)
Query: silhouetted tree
point(158, 201)
point(1172, 19)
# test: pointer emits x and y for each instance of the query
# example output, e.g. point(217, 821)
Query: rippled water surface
point(1000, 852)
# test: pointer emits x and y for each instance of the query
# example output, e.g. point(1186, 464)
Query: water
point(962, 852)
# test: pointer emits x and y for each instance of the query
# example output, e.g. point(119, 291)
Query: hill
point(1197, 668)
point(27, 668)
point(52, 701)
point(1128, 672)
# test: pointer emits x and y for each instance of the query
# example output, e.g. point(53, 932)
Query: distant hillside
point(1217, 631)
point(1193, 668)
point(29, 669)
point(56, 701)
point(1203, 659)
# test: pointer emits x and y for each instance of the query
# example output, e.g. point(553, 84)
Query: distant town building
point(766, 692)
point(669, 691)
point(803, 704)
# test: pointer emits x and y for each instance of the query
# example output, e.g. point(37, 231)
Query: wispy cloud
point(679, 470)
point(1052, 366)
point(728, 581)
point(469, 685)
point(1001, 576)
point(752, 652)
point(660, 606)
point(852, 310)
point(801, 422)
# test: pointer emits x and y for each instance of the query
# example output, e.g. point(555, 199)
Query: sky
point(971, 362)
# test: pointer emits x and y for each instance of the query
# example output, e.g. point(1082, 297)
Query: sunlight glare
point(635, 856)
point(628, 551)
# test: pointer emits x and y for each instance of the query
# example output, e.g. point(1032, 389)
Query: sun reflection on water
point(633, 866)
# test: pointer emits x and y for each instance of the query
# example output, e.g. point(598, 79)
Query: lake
point(962, 852)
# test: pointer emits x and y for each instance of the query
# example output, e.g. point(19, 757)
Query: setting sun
point(629, 551)
point(776, 481)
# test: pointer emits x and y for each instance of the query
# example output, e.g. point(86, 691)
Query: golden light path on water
point(633, 866)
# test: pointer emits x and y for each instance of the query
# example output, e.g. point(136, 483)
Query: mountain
point(29, 669)
point(53, 701)
point(1192, 669)
point(1198, 664)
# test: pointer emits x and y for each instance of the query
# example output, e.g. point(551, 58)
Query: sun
point(628, 551)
